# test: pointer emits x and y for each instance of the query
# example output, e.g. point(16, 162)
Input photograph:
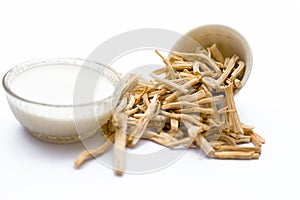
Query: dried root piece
point(186, 86)
point(237, 71)
point(171, 72)
point(216, 54)
point(256, 139)
point(169, 84)
point(193, 97)
point(229, 68)
point(187, 141)
point(182, 65)
point(237, 84)
point(197, 109)
point(232, 118)
point(160, 138)
point(87, 155)
point(216, 137)
point(203, 144)
point(120, 117)
point(238, 148)
point(178, 105)
point(238, 155)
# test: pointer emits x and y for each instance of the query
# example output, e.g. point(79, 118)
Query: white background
point(32, 169)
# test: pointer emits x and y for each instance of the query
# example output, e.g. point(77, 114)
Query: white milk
point(55, 85)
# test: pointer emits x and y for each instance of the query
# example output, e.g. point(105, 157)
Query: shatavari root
point(189, 102)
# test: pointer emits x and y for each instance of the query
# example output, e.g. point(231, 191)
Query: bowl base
point(60, 139)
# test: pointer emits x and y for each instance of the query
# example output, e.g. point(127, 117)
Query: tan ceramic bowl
point(228, 40)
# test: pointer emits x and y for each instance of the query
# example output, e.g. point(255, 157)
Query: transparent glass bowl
point(63, 123)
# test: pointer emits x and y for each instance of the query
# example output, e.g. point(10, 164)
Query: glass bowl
point(61, 100)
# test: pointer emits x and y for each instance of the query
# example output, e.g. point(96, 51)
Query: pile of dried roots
point(189, 102)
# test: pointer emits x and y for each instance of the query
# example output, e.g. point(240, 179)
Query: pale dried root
point(120, 145)
point(232, 118)
point(161, 138)
point(238, 148)
point(87, 155)
point(237, 155)
point(215, 53)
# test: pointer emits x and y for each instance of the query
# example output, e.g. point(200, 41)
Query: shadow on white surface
point(51, 150)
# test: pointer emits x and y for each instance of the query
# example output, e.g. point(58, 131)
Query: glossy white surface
point(32, 169)
point(55, 84)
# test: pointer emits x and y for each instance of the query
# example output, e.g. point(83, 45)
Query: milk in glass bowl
point(61, 100)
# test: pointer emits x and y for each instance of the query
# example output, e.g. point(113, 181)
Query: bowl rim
point(62, 60)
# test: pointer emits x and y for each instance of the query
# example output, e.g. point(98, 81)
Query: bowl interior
point(61, 82)
point(228, 41)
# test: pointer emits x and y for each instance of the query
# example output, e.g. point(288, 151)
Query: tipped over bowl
point(228, 41)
